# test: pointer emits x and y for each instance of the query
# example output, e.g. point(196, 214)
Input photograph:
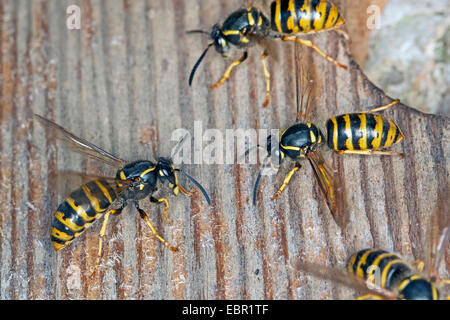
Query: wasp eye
point(164, 171)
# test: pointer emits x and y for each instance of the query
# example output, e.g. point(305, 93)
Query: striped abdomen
point(79, 210)
point(387, 269)
point(362, 131)
point(302, 16)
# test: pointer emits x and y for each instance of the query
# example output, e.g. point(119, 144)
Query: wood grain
point(121, 83)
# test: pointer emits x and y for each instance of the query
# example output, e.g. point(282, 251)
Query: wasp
point(302, 141)
point(105, 196)
point(364, 132)
point(384, 275)
point(288, 19)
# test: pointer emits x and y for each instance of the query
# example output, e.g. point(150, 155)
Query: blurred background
point(404, 48)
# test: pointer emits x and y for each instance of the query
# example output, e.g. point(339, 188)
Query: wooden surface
point(121, 83)
point(357, 15)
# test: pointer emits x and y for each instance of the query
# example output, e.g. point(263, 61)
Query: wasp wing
point(334, 193)
point(305, 97)
point(341, 276)
point(67, 181)
point(438, 234)
point(259, 4)
point(269, 46)
point(78, 144)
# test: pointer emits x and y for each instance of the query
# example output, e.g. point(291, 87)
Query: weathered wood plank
point(121, 82)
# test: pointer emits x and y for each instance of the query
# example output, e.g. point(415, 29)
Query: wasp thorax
point(418, 289)
point(299, 139)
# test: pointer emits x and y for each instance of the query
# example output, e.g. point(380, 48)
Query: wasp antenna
point(247, 151)
point(178, 145)
point(258, 178)
point(297, 94)
point(205, 194)
point(191, 76)
point(198, 31)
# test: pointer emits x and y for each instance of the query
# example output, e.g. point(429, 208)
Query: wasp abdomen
point(384, 267)
point(362, 131)
point(79, 210)
point(389, 271)
point(302, 16)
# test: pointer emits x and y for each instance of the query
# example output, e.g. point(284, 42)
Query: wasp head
point(219, 40)
point(274, 152)
point(166, 172)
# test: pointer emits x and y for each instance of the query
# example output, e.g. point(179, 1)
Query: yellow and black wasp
point(288, 19)
point(380, 274)
point(363, 132)
point(107, 196)
point(302, 141)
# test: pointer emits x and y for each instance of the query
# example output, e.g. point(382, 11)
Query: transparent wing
point(252, 3)
point(262, 5)
point(334, 193)
point(341, 276)
point(178, 146)
point(305, 98)
point(267, 44)
point(68, 181)
point(78, 144)
point(438, 234)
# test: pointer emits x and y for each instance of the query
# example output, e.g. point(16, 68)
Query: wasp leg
point(420, 265)
point(267, 76)
point(381, 108)
point(369, 296)
point(188, 193)
point(286, 181)
point(273, 166)
point(166, 206)
point(343, 33)
point(145, 217)
point(311, 45)
point(102, 234)
point(369, 152)
point(227, 73)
